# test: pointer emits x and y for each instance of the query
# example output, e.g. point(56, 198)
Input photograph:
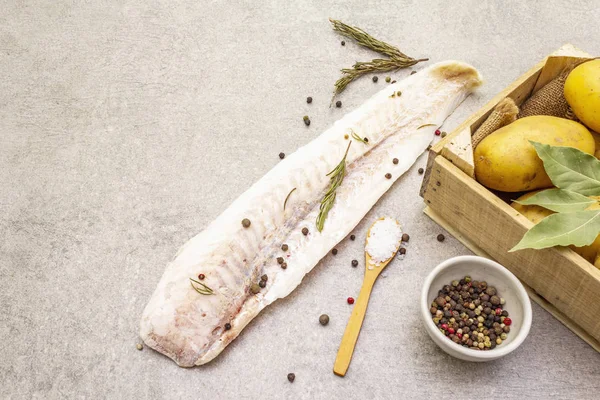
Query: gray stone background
point(126, 127)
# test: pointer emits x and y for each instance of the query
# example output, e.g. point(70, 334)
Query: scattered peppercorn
point(227, 326)
point(343, 43)
point(388, 79)
point(284, 266)
point(306, 120)
point(284, 247)
point(395, 161)
point(309, 99)
point(338, 104)
point(421, 170)
point(438, 132)
point(355, 263)
point(393, 81)
point(405, 237)
point(264, 278)
point(346, 136)
point(282, 155)
point(201, 276)
point(334, 252)
point(388, 175)
point(254, 288)
point(475, 328)
point(402, 250)
point(246, 223)
point(262, 284)
point(280, 260)
point(305, 231)
point(375, 79)
point(139, 346)
point(366, 139)
point(441, 237)
point(444, 134)
point(350, 300)
point(324, 319)
point(291, 377)
point(352, 237)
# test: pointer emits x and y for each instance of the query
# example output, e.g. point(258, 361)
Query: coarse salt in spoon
point(382, 244)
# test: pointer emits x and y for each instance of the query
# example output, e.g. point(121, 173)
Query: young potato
point(582, 91)
point(506, 161)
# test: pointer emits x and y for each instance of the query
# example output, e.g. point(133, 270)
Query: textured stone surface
point(126, 127)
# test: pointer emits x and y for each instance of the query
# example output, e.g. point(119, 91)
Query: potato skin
point(536, 213)
point(506, 161)
point(582, 91)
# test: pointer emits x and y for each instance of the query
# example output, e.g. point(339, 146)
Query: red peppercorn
point(498, 311)
point(350, 300)
point(451, 331)
point(507, 321)
point(201, 276)
point(438, 132)
point(459, 335)
point(444, 326)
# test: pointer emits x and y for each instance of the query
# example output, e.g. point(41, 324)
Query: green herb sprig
point(202, 288)
point(356, 137)
point(336, 179)
point(397, 59)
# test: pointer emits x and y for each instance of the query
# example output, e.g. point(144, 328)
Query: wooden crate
point(558, 279)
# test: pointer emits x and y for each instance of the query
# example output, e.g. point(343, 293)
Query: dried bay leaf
point(563, 229)
point(558, 200)
point(570, 168)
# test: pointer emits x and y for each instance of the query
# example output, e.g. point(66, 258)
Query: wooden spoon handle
point(344, 355)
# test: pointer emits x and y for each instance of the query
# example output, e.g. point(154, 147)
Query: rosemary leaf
point(203, 289)
point(356, 137)
point(423, 126)
point(336, 179)
point(397, 58)
point(287, 197)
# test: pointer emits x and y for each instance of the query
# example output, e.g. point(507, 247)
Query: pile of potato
point(506, 161)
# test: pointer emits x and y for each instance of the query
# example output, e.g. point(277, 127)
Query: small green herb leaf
point(358, 138)
point(563, 229)
point(570, 168)
point(558, 200)
point(201, 287)
point(424, 125)
point(287, 198)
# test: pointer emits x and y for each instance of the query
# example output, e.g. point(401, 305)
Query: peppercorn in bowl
point(475, 309)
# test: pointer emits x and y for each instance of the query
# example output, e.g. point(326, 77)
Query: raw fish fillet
point(190, 327)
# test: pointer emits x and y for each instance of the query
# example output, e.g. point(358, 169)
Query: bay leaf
point(558, 200)
point(570, 168)
point(563, 229)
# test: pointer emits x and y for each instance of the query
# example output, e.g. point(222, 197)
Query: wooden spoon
point(372, 271)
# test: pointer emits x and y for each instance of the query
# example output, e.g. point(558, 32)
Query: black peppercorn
point(309, 99)
point(338, 104)
point(282, 155)
point(324, 319)
point(355, 263)
point(280, 260)
point(334, 252)
point(284, 266)
point(421, 170)
point(227, 326)
point(395, 161)
point(441, 237)
point(284, 247)
point(352, 237)
point(305, 231)
point(388, 175)
point(291, 377)
point(343, 43)
point(262, 284)
point(375, 79)
point(246, 223)
point(402, 251)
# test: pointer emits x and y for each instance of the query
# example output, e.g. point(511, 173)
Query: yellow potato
point(536, 213)
point(506, 161)
point(582, 91)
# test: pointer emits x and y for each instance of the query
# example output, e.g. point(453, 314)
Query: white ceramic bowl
point(480, 269)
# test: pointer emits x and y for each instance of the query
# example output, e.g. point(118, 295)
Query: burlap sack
point(504, 113)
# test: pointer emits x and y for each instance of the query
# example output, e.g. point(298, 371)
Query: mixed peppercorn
point(471, 314)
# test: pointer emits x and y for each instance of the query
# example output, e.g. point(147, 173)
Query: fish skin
point(189, 327)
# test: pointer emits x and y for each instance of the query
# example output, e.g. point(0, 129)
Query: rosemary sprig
point(356, 137)
point(397, 58)
point(287, 197)
point(203, 289)
point(336, 179)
